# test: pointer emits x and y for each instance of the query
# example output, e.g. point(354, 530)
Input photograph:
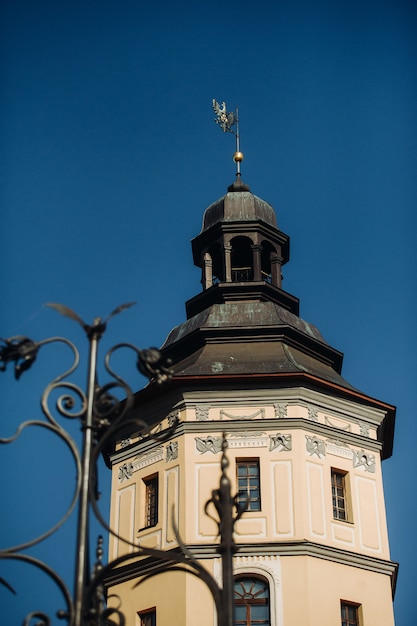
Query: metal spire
point(227, 119)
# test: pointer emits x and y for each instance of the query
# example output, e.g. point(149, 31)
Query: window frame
point(244, 493)
point(345, 619)
point(250, 579)
point(147, 613)
point(151, 501)
point(341, 492)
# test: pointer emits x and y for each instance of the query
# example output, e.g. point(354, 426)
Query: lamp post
point(101, 416)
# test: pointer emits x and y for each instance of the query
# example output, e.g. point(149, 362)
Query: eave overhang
point(279, 381)
point(249, 291)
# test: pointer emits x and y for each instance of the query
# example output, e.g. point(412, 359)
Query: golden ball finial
point(238, 157)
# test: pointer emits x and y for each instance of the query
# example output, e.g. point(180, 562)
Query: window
point(248, 483)
point(242, 259)
point(148, 617)
point(349, 613)
point(251, 595)
point(339, 495)
point(151, 500)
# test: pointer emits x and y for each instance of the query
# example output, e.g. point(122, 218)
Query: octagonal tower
point(305, 448)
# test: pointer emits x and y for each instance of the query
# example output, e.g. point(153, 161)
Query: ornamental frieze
point(252, 416)
point(338, 448)
point(143, 460)
point(346, 425)
point(248, 439)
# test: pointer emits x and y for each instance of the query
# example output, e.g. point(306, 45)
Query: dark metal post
point(94, 334)
point(227, 546)
point(225, 505)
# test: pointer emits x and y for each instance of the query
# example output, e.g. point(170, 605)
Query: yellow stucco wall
point(296, 508)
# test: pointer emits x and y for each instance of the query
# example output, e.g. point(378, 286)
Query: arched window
point(215, 252)
point(267, 252)
point(251, 594)
point(242, 259)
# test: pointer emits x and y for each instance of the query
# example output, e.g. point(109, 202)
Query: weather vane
point(226, 119)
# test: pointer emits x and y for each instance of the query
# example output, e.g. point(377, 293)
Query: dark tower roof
point(243, 322)
point(243, 326)
point(238, 205)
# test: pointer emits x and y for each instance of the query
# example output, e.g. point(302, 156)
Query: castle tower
point(305, 448)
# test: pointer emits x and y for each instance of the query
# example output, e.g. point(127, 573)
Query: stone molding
point(281, 549)
point(318, 429)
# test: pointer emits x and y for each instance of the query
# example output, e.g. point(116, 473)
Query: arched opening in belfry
point(242, 259)
point(215, 252)
point(268, 251)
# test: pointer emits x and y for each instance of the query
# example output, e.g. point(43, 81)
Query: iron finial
point(226, 119)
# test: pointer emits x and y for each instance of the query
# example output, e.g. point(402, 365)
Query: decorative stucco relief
point(365, 460)
point(280, 442)
point(341, 425)
point(260, 412)
point(208, 444)
point(125, 471)
point(202, 412)
point(280, 410)
point(247, 439)
point(143, 460)
point(259, 564)
point(172, 451)
point(315, 446)
point(364, 429)
point(125, 442)
point(173, 418)
point(312, 413)
point(338, 448)
point(268, 563)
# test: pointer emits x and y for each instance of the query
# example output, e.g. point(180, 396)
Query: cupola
point(240, 251)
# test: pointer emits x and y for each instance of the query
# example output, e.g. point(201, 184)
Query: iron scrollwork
point(102, 414)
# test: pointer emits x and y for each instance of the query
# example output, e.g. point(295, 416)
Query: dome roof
point(239, 205)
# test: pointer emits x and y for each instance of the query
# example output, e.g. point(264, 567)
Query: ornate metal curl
point(101, 414)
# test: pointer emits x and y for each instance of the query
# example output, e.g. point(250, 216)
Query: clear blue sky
point(110, 156)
